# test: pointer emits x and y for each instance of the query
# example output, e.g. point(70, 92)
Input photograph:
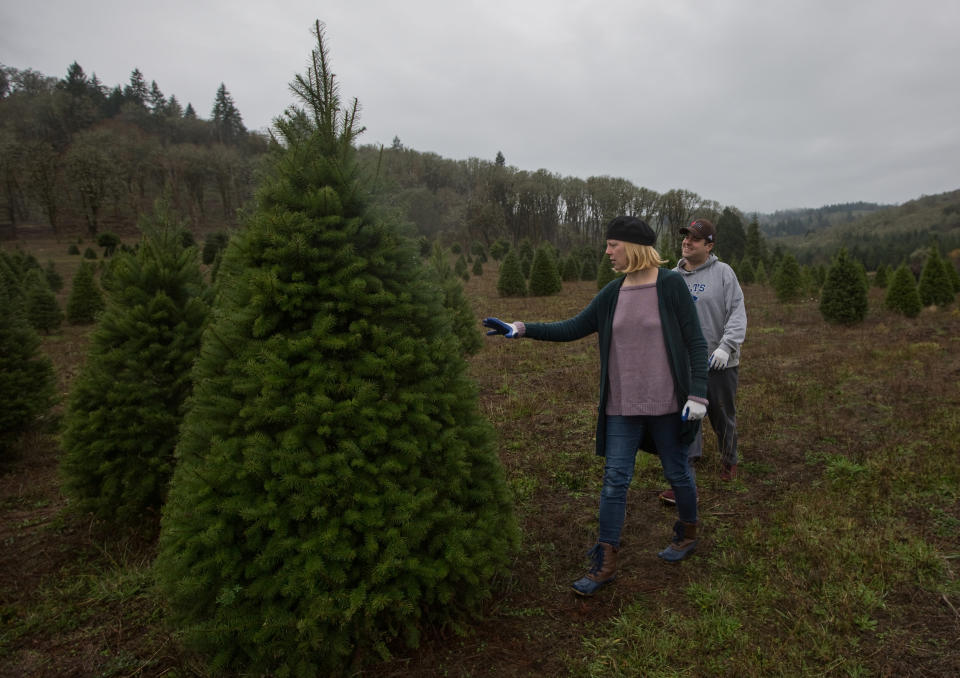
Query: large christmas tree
point(336, 487)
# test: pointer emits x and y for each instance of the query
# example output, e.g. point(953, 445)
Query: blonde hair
point(640, 257)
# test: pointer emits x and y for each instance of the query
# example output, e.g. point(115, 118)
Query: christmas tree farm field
point(835, 552)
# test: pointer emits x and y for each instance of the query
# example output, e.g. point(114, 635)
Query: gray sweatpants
point(722, 412)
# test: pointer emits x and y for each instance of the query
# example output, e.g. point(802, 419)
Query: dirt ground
point(535, 625)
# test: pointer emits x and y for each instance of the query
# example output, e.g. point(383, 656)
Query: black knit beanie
point(631, 229)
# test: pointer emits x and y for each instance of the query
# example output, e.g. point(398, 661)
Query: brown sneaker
point(729, 472)
point(667, 497)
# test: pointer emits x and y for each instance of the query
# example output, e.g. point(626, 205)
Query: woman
point(653, 384)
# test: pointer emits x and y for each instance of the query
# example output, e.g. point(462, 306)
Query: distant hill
point(872, 233)
point(805, 221)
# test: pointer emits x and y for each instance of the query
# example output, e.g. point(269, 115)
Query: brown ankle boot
point(602, 571)
point(684, 542)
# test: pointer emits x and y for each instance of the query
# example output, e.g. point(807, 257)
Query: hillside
point(884, 235)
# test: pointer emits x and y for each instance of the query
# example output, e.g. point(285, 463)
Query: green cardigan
point(686, 347)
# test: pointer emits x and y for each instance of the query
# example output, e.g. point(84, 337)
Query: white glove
point(718, 360)
point(693, 411)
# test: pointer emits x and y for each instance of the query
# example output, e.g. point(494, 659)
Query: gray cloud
point(759, 104)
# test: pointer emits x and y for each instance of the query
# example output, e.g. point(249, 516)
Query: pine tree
point(935, 286)
point(54, 279)
point(336, 485)
point(128, 401)
point(810, 284)
point(745, 272)
point(880, 278)
point(460, 268)
point(499, 249)
point(213, 245)
point(511, 281)
point(605, 272)
point(526, 250)
point(902, 295)
point(86, 299)
point(760, 274)
point(225, 117)
point(570, 270)
point(477, 269)
point(43, 311)
point(788, 283)
point(733, 239)
point(26, 374)
point(844, 296)
point(479, 251)
point(136, 91)
point(11, 283)
point(544, 275)
point(588, 267)
point(953, 274)
point(526, 263)
point(755, 247)
point(462, 316)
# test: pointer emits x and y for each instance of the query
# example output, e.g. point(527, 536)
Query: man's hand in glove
point(718, 360)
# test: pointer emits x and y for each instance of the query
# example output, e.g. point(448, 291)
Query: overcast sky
point(759, 104)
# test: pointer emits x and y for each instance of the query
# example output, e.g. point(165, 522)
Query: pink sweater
point(640, 379)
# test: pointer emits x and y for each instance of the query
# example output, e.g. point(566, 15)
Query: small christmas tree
point(462, 316)
point(902, 295)
point(26, 374)
point(935, 286)
point(460, 268)
point(588, 266)
point(844, 296)
point(570, 271)
point(127, 402)
point(953, 274)
point(511, 281)
point(54, 279)
point(499, 249)
point(544, 275)
point(746, 272)
point(788, 282)
point(336, 486)
point(526, 250)
point(605, 272)
point(881, 276)
point(86, 299)
point(760, 274)
point(43, 311)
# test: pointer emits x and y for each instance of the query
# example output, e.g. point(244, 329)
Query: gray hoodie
point(719, 302)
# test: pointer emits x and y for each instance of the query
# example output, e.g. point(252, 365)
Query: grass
point(835, 553)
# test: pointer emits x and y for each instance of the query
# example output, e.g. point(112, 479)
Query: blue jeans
point(624, 435)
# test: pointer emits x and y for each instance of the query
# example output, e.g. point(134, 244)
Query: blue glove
point(497, 326)
point(693, 411)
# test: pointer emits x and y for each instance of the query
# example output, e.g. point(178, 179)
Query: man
point(723, 319)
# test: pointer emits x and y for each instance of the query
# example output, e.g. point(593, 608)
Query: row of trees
point(842, 288)
point(480, 200)
point(74, 153)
